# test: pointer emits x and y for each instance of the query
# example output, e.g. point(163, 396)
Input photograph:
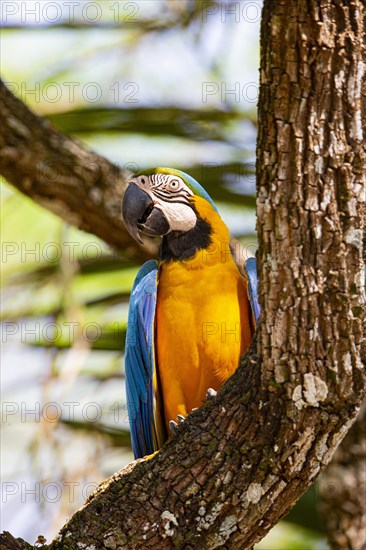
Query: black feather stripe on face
point(172, 197)
point(179, 245)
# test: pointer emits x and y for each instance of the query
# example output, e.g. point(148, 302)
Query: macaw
point(191, 314)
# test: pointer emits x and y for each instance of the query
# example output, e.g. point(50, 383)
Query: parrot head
point(166, 202)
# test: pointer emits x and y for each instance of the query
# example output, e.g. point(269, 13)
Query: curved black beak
point(140, 215)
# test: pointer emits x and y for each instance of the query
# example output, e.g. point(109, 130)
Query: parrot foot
point(210, 394)
point(174, 426)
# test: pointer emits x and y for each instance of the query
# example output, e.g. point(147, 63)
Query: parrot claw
point(174, 426)
point(210, 394)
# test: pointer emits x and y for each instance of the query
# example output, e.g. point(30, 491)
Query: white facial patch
point(180, 216)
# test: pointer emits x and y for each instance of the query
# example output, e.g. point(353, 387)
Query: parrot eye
point(174, 184)
point(142, 181)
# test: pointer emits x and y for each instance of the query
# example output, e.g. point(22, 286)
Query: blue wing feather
point(143, 399)
point(250, 268)
point(140, 360)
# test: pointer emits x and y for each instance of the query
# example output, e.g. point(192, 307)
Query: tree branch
point(59, 173)
point(343, 490)
point(8, 542)
point(242, 460)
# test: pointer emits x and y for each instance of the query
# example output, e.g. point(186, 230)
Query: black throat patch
point(179, 245)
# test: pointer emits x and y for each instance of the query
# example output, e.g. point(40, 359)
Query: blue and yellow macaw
point(191, 314)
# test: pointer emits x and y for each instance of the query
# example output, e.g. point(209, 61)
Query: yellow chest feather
point(202, 328)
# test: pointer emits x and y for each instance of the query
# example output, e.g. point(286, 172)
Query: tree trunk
point(242, 460)
point(343, 490)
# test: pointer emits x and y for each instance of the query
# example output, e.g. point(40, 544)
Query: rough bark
point(59, 173)
point(343, 490)
point(243, 459)
point(8, 542)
